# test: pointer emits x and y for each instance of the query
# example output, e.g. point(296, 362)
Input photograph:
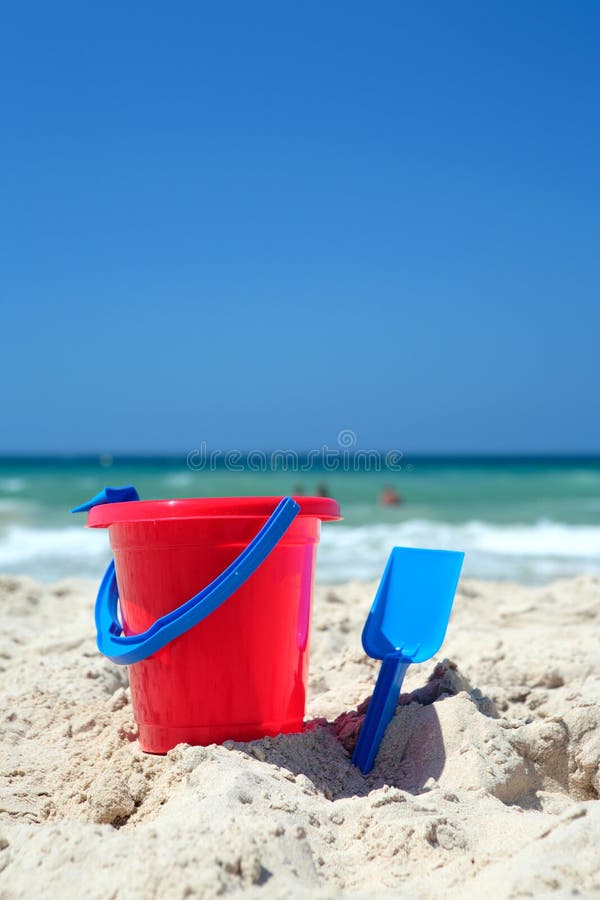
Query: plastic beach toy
point(214, 598)
point(407, 624)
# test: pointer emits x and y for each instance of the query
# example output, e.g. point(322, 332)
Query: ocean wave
point(179, 479)
point(12, 485)
point(527, 553)
point(52, 553)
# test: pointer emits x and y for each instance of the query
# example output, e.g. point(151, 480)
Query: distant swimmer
point(322, 490)
point(390, 497)
point(298, 491)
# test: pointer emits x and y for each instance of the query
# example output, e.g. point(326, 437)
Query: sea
point(523, 519)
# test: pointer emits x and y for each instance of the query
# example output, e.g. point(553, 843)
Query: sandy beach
point(486, 784)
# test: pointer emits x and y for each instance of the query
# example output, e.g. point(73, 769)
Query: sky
point(257, 224)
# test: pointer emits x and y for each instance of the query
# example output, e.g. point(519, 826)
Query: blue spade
point(407, 624)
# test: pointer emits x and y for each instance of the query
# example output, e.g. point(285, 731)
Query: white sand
point(490, 791)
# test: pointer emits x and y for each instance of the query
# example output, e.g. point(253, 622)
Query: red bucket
point(241, 673)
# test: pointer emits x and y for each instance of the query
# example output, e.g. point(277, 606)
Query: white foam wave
point(179, 479)
point(51, 553)
point(12, 485)
point(527, 553)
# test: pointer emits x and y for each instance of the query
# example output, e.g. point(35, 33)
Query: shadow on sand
point(412, 752)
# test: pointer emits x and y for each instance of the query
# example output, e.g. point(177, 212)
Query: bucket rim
point(137, 511)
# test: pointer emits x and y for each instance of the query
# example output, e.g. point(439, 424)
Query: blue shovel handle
point(380, 710)
point(134, 648)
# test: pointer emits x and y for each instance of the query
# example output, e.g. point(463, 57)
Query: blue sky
point(256, 224)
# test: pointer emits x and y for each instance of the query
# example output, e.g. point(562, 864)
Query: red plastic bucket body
point(241, 673)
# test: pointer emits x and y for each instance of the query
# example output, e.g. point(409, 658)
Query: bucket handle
point(136, 647)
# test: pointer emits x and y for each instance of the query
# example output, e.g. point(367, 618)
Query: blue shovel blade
point(412, 606)
point(407, 623)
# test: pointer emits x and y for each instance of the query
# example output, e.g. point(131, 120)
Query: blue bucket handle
point(136, 647)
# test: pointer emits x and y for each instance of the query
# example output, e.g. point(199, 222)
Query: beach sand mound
point(487, 779)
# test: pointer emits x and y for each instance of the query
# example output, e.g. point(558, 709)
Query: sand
point(487, 782)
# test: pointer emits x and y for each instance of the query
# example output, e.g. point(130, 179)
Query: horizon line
point(108, 457)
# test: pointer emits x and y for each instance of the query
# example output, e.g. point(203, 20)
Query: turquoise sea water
point(528, 520)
